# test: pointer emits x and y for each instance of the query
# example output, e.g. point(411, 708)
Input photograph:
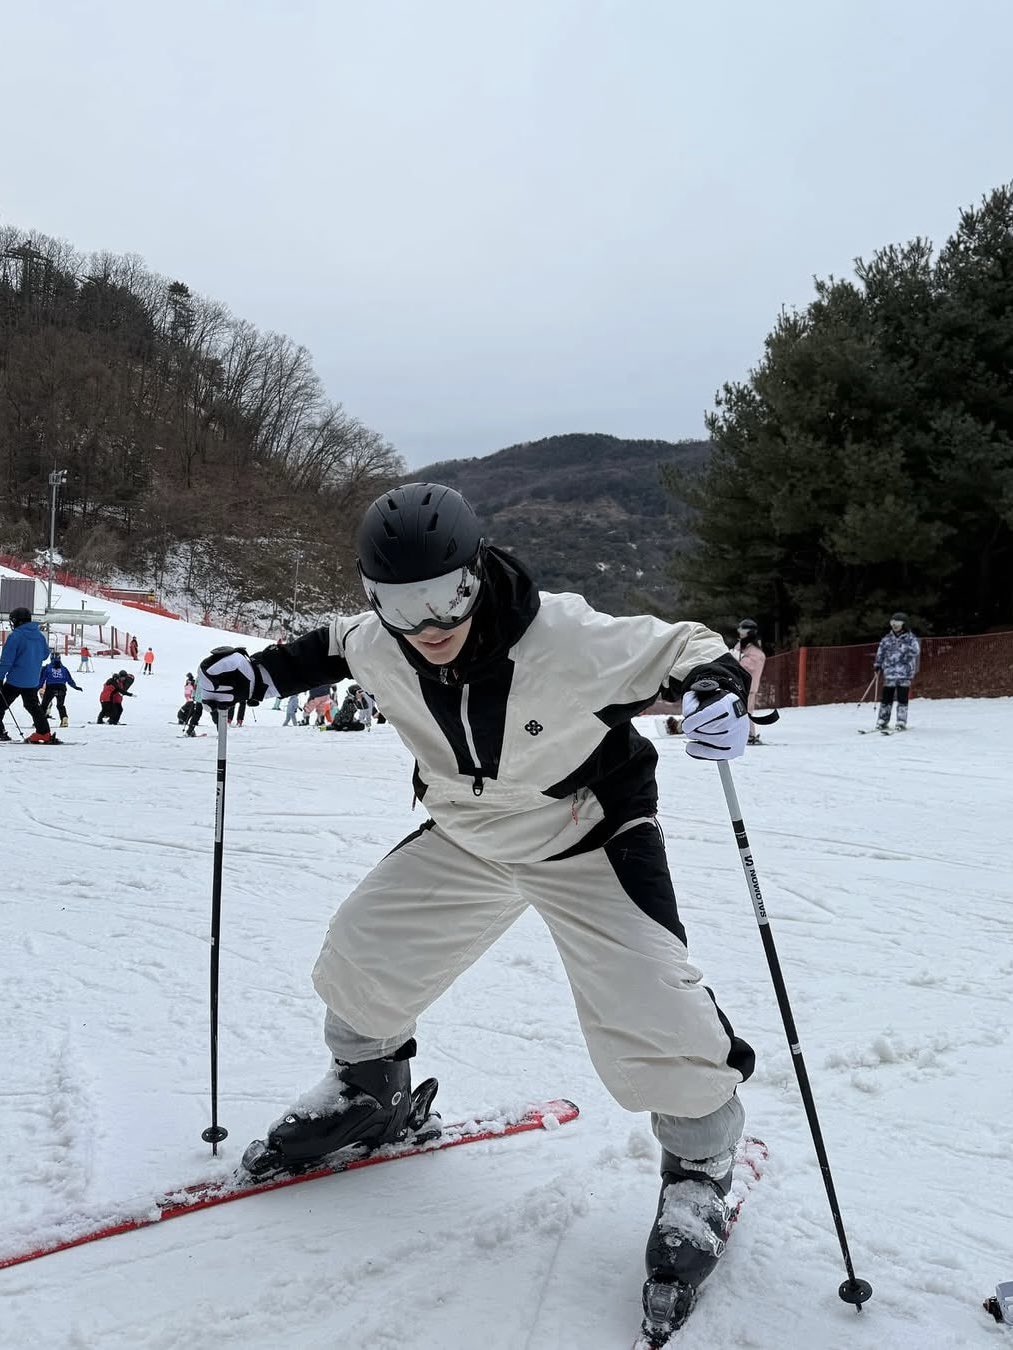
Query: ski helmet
point(55, 658)
point(749, 624)
point(420, 557)
point(899, 617)
point(20, 616)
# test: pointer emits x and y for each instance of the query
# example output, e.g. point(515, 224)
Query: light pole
point(295, 588)
point(57, 479)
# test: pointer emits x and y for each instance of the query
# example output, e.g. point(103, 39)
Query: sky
point(495, 222)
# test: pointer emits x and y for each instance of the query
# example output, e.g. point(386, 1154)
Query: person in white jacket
point(517, 708)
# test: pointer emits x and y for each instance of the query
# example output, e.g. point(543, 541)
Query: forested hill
point(586, 512)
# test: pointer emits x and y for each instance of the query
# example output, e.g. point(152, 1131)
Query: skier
point(114, 691)
point(291, 711)
point(517, 708)
point(318, 700)
point(85, 661)
point(897, 657)
point(149, 660)
point(347, 714)
point(367, 708)
point(54, 679)
point(183, 712)
point(132, 649)
point(195, 711)
point(750, 654)
point(21, 660)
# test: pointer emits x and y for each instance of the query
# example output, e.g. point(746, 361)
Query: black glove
point(730, 676)
point(229, 676)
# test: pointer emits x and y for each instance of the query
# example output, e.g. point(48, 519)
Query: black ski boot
point(690, 1231)
point(368, 1104)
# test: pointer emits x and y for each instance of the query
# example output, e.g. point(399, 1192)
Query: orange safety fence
point(145, 600)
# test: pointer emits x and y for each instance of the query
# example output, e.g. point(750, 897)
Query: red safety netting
point(951, 667)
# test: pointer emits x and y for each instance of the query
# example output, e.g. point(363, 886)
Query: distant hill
point(587, 513)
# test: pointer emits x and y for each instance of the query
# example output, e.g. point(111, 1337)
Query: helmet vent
point(434, 520)
point(389, 530)
point(427, 499)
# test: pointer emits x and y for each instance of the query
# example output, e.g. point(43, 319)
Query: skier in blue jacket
point(21, 659)
point(897, 658)
point(55, 678)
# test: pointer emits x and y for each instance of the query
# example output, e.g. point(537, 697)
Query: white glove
point(715, 725)
point(230, 676)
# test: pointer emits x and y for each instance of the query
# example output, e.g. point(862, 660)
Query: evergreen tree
point(867, 463)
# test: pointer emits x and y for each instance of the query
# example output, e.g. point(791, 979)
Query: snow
point(883, 872)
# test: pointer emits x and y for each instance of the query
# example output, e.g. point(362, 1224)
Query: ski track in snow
point(881, 866)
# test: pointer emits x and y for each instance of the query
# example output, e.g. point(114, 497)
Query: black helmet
point(416, 532)
point(899, 617)
point(20, 616)
point(420, 557)
point(55, 658)
point(751, 624)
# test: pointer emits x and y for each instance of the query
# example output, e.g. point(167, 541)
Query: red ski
point(222, 1190)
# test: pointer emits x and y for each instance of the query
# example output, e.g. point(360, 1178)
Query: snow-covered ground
point(884, 869)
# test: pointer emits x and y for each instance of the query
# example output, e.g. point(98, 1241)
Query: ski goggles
point(440, 602)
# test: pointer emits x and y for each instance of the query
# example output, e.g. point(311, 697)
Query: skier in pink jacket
point(749, 654)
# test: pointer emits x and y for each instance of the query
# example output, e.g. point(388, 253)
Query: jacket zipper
point(477, 785)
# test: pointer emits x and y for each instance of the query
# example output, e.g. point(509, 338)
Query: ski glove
point(714, 722)
point(229, 676)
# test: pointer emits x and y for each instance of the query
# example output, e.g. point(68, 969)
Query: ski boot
point(689, 1235)
point(3, 735)
point(64, 722)
point(40, 738)
point(368, 1105)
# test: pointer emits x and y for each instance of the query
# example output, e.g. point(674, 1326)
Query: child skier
point(897, 657)
point(517, 708)
point(55, 678)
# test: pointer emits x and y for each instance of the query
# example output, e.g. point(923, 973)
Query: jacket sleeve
point(916, 655)
point(317, 658)
point(880, 653)
point(628, 661)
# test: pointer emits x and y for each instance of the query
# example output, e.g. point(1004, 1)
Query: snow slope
point(890, 903)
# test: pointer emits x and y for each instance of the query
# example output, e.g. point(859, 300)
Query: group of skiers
point(897, 660)
point(38, 677)
point(354, 712)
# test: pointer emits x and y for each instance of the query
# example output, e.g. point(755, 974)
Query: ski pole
point(853, 1290)
point(875, 677)
point(9, 707)
point(215, 1133)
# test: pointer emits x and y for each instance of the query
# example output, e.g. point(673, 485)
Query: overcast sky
point(494, 221)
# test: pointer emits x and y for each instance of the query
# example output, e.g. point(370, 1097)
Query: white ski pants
point(654, 1033)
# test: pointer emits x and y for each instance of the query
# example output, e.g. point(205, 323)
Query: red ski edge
point(206, 1194)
